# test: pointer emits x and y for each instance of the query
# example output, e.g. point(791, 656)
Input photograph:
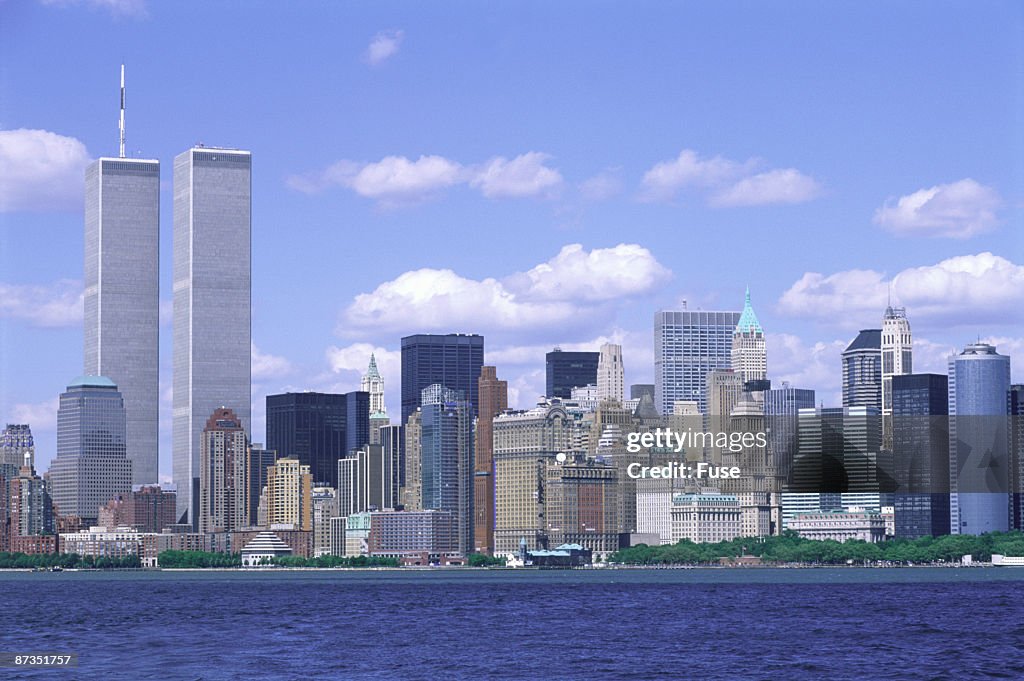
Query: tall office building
point(920, 446)
point(121, 326)
point(611, 373)
point(897, 360)
point(862, 370)
point(318, 429)
point(749, 354)
point(688, 345)
point(568, 370)
point(392, 439)
point(493, 395)
point(781, 409)
point(446, 458)
point(979, 475)
point(366, 481)
point(373, 385)
point(223, 479)
point(290, 495)
point(1016, 404)
point(452, 360)
point(257, 470)
point(212, 306)
point(17, 447)
point(91, 466)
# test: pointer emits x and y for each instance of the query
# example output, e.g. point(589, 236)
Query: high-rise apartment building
point(611, 376)
point(688, 345)
point(920, 447)
point(121, 325)
point(979, 475)
point(318, 429)
point(212, 306)
point(567, 370)
point(223, 479)
point(493, 395)
point(862, 370)
point(452, 360)
point(749, 353)
point(92, 466)
point(897, 360)
point(289, 495)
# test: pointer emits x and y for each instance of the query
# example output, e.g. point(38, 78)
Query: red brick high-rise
point(493, 396)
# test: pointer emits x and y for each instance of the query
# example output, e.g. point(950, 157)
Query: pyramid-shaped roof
point(748, 320)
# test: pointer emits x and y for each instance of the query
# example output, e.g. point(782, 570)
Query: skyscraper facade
point(452, 360)
point(373, 385)
point(91, 466)
point(920, 447)
point(749, 353)
point(121, 325)
point(212, 306)
point(611, 373)
point(318, 429)
point(897, 359)
point(223, 488)
point(862, 370)
point(781, 409)
point(493, 401)
point(688, 345)
point(568, 370)
point(17, 447)
point(979, 475)
point(290, 495)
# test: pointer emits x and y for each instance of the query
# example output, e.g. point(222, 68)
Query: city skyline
point(582, 247)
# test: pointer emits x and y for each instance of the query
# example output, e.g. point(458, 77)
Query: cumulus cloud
point(118, 8)
point(40, 416)
point(525, 175)
point(40, 171)
point(383, 46)
point(968, 289)
point(48, 305)
point(397, 179)
point(356, 358)
point(265, 365)
point(726, 182)
point(958, 210)
point(566, 289)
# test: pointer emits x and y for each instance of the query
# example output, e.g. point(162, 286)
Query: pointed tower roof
point(748, 320)
point(371, 371)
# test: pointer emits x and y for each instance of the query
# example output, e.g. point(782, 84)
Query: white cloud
point(398, 180)
point(356, 358)
point(807, 365)
point(40, 416)
point(786, 185)
point(727, 182)
point(47, 305)
point(383, 46)
point(600, 274)
point(958, 210)
point(41, 171)
point(601, 187)
point(265, 365)
point(525, 175)
point(118, 8)
point(565, 290)
point(963, 290)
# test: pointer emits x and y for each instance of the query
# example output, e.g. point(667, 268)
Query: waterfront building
point(395, 534)
point(101, 542)
point(840, 526)
point(493, 394)
point(705, 517)
point(91, 466)
point(212, 355)
point(688, 345)
point(581, 503)
point(452, 360)
point(289, 495)
point(318, 429)
point(264, 548)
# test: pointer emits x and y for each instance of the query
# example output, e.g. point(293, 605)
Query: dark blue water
point(623, 624)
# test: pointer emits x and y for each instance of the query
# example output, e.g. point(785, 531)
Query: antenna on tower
point(121, 125)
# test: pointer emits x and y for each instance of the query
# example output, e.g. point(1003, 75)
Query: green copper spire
point(748, 320)
point(372, 372)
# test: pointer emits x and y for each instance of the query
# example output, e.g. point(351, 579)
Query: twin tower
point(211, 284)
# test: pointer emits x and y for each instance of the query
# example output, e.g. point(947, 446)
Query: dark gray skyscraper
point(212, 308)
point(91, 467)
point(568, 370)
point(121, 327)
point(920, 432)
point(979, 475)
point(862, 371)
point(452, 360)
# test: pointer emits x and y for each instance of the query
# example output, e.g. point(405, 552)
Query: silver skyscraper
point(212, 321)
point(122, 296)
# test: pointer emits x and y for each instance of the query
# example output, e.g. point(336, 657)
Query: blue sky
point(539, 174)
